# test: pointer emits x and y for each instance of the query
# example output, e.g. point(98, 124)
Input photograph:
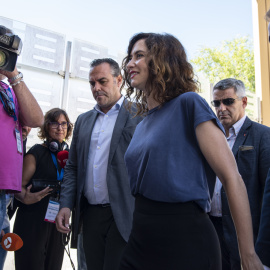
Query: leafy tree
point(233, 59)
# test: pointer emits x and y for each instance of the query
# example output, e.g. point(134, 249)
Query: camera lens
point(3, 58)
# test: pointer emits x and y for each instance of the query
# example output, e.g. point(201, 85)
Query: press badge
point(18, 139)
point(52, 210)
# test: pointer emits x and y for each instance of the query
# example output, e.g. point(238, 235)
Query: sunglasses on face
point(7, 103)
point(226, 101)
point(55, 125)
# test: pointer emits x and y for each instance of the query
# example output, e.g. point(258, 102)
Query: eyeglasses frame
point(61, 124)
point(221, 101)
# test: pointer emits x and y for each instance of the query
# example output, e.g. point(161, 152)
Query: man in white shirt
point(95, 175)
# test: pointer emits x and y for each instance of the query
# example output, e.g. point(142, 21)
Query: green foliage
point(233, 59)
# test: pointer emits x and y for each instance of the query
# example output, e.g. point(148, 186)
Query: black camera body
point(40, 184)
point(10, 48)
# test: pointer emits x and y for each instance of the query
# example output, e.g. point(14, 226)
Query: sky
point(196, 23)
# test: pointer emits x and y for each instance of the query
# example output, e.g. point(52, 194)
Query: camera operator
point(18, 107)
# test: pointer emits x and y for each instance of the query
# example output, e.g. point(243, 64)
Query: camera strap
point(7, 91)
point(53, 205)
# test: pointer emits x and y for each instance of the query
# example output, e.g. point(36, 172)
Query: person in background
point(263, 240)
point(5, 229)
point(25, 132)
point(43, 247)
point(11, 204)
point(250, 145)
point(18, 107)
point(171, 159)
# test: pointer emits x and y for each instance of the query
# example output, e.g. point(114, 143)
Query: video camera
point(10, 48)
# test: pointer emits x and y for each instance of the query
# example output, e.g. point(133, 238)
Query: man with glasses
point(95, 175)
point(18, 107)
point(250, 144)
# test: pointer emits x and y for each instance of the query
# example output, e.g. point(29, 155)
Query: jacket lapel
point(88, 128)
point(118, 129)
point(242, 135)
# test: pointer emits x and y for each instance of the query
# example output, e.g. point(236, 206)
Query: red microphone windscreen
point(62, 158)
point(11, 242)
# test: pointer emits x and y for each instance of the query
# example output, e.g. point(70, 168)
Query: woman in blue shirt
point(172, 160)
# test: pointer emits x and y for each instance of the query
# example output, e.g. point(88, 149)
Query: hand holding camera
point(10, 48)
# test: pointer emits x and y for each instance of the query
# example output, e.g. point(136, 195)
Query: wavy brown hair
point(170, 74)
point(52, 116)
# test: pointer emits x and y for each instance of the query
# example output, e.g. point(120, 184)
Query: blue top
point(164, 160)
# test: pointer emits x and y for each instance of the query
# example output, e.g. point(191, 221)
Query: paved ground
point(9, 264)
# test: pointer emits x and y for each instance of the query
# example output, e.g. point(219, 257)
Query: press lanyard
point(61, 174)
point(8, 92)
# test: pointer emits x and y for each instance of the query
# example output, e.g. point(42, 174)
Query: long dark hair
point(170, 74)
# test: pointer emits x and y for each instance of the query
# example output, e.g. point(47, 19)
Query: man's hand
point(62, 220)
point(9, 74)
point(30, 113)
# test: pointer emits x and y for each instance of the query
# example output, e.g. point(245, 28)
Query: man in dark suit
point(250, 144)
point(263, 241)
point(95, 178)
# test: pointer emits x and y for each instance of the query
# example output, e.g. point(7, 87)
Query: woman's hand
point(30, 197)
point(26, 196)
point(251, 263)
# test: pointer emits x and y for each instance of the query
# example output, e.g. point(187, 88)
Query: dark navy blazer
point(252, 153)
point(263, 240)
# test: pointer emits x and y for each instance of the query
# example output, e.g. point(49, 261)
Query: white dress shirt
point(95, 188)
point(216, 206)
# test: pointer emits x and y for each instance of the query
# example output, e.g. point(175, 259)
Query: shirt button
point(98, 147)
point(102, 130)
point(95, 166)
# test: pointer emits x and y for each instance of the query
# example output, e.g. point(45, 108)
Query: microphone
point(11, 242)
point(62, 158)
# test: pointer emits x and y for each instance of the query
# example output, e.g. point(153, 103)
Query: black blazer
point(252, 153)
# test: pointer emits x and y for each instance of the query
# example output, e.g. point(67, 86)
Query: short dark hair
point(170, 74)
point(52, 116)
point(113, 64)
point(237, 85)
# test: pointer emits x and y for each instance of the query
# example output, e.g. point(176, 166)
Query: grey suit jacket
point(121, 200)
point(252, 154)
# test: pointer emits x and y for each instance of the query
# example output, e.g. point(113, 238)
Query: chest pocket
point(247, 162)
